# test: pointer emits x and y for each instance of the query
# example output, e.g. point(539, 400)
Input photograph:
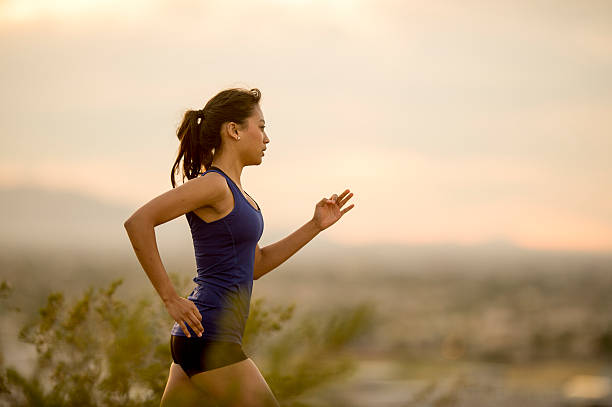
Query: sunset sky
point(451, 122)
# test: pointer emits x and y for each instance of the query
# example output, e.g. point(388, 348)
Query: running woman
point(226, 224)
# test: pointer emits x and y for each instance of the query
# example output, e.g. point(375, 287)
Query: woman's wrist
point(313, 225)
point(170, 298)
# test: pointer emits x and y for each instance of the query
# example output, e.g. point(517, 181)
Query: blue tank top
point(225, 256)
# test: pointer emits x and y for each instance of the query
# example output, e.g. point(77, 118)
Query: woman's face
point(254, 137)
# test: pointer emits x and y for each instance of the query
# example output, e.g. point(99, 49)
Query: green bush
point(100, 351)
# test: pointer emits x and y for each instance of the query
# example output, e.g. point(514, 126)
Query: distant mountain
point(33, 217)
point(64, 221)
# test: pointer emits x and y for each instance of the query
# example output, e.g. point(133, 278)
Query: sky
point(451, 122)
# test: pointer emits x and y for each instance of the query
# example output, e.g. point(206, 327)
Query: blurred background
point(475, 137)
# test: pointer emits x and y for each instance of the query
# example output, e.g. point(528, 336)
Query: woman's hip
point(197, 354)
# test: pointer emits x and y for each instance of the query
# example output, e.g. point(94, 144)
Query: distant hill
point(52, 219)
point(64, 221)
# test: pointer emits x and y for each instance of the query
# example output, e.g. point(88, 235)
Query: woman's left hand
point(327, 211)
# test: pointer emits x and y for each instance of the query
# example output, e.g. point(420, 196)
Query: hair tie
point(199, 116)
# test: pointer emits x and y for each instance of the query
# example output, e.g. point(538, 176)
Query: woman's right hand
point(183, 310)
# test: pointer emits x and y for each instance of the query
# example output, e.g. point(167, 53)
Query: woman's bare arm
point(327, 212)
point(201, 191)
point(142, 236)
point(193, 194)
point(273, 255)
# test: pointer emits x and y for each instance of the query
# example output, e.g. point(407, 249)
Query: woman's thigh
point(180, 391)
point(238, 384)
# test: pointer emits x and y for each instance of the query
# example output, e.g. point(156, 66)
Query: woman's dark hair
point(200, 131)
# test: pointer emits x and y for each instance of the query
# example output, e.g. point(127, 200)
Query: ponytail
point(200, 130)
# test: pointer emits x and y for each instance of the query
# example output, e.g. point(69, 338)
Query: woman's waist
point(221, 297)
point(223, 264)
point(227, 278)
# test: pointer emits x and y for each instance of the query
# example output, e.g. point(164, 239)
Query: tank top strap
point(234, 188)
point(220, 171)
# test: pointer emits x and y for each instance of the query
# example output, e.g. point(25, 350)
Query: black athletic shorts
point(197, 354)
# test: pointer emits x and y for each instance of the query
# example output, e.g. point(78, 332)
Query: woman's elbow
point(129, 223)
point(132, 221)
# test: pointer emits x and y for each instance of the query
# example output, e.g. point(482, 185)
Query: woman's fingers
point(194, 323)
point(186, 315)
point(342, 198)
point(184, 328)
point(198, 325)
point(197, 312)
point(192, 318)
point(198, 318)
point(348, 208)
point(343, 201)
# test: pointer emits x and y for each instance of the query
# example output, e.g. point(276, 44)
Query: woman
point(226, 224)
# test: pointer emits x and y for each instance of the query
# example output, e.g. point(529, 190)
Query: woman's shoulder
point(211, 185)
